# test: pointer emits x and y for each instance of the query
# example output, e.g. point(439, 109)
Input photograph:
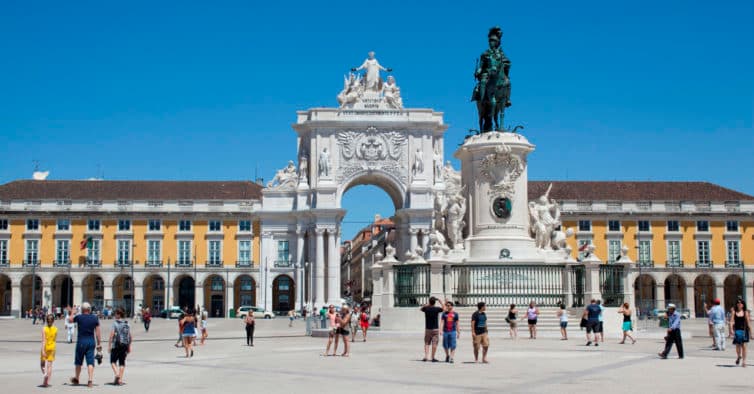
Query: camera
point(98, 357)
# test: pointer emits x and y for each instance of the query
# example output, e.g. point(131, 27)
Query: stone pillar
point(436, 272)
point(566, 283)
point(690, 301)
point(199, 295)
point(333, 268)
point(299, 249)
point(107, 293)
point(137, 297)
point(720, 293)
point(660, 293)
point(319, 269)
point(299, 286)
point(629, 278)
point(15, 299)
point(413, 239)
point(388, 286)
point(229, 299)
point(269, 280)
point(592, 288)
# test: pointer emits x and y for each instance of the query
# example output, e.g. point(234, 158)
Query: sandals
point(74, 381)
point(116, 382)
point(89, 384)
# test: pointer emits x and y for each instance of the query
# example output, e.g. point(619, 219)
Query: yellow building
point(689, 241)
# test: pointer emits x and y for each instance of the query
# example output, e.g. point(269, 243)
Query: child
point(49, 336)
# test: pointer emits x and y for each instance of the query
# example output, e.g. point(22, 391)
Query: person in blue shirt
point(592, 316)
point(674, 334)
point(717, 317)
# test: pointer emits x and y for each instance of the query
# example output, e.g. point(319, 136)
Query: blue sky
point(640, 90)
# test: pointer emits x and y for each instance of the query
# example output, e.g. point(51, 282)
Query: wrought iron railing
point(184, 264)
point(153, 263)
point(244, 263)
point(645, 264)
point(674, 264)
point(123, 263)
point(214, 264)
point(31, 263)
point(62, 263)
point(93, 263)
point(502, 285)
point(703, 264)
point(282, 263)
point(4, 263)
point(611, 285)
point(733, 263)
point(578, 285)
point(412, 284)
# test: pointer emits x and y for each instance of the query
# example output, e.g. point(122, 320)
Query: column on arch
point(319, 266)
point(333, 267)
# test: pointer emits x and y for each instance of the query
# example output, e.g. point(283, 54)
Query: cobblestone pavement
point(285, 361)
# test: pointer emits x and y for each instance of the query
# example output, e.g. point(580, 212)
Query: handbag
point(583, 322)
point(508, 320)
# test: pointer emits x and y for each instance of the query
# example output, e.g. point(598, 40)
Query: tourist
point(364, 323)
point(710, 325)
point(674, 333)
point(189, 333)
point(49, 336)
point(355, 316)
point(625, 310)
point(88, 340)
point(146, 317)
point(323, 315)
point(716, 316)
point(512, 320)
point(331, 317)
point(203, 322)
point(601, 324)
point(450, 331)
point(342, 322)
point(249, 324)
point(69, 326)
point(563, 317)
point(479, 332)
point(180, 330)
point(431, 328)
point(740, 328)
point(119, 344)
point(531, 316)
point(291, 317)
point(592, 314)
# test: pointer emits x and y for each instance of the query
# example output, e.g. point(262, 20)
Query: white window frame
point(183, 230)
point(708, 256)
point(31, 252)
point(245, 231)
point(736, 251)
point(251, 254)
point(643, 255)
point(220, 226)
point(63, 255)
point(613, 250)
point(89, 226)
point(613, 231)
point(120, 251)
point(36, 222)
point(670, 251)
point(589, 223)
point(124, 221)
point(150, 250)
point(181, 261)
point(649, 226)
point(5, 223)
point(67, 225)
point(94, 254)
point(678, 226)
point(157, 223)
point(738, 226)
point(4, 243)
point(210, 251)
point(697, 226)
point(579, 244)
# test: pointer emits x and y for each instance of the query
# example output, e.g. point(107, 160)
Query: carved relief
point(372, 150)
point(501, 169)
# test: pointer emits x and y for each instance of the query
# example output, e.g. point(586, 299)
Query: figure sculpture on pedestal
point(392, 93)
point(324, 162)
point(352, 90)
point(372, 67)
point(455, 222)
point(544, 215)
point(285, 178)
point(493, 89)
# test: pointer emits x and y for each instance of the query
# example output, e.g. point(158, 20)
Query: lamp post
point(167, 300)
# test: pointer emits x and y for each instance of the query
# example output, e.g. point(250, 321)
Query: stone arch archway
point(214, 295)
point(675, 291)
point(184, 291)
point(385, 181)
point(244, 291)
point(62, 290)
point(6, 295)
point(283, 294)
point(645, 291)
point(154, 293)
point(704, 294)
point(733, 290)
point(123, 293)
point(93, 290)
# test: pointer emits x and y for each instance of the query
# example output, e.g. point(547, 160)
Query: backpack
point(122, 334)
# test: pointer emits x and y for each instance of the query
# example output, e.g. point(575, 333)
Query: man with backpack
point(119, 345)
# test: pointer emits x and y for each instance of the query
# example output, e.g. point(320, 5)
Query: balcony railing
point(645, 264)
point(674, 264)
point(734, 263)
point(703, 264)
point(153, 263)
point(94, 263)
point(61, 263)
point(184, 263)
point(4, 263)
point(214, 264)
point(244, 263)
point(31, 263)
point(123, 263)
point(283, 263)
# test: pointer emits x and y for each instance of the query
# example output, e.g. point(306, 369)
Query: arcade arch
point(184, 291)
point(6, 295)
point(93, 289)
point(28, 301)
point(154, 293)
point(645, 291)
point(283, 294)
point(214, 296)
point(123, 293)
point(675, 291)
point(62, 290)
point(733, 290)
point(704, 294)
point(244, 291)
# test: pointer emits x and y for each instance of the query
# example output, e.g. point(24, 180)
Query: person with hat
point(674, 333)
point(717, 317)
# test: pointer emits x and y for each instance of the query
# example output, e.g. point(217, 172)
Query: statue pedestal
point(494, 173)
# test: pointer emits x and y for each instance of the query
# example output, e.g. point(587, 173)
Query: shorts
point(431, 337)
point(364, 326)
point(740, 337)
point(626, 326)
point(513, 323)
point(532, 322)
point(481, 339)
point(188, 334)
point(50, 355)
point(118, 355)
point(84, 349)
point(563, 324)
point(591, 326)
point(342, 331)
point(599, 327)
point(449, 340)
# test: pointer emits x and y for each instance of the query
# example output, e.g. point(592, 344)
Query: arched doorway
point(645, 290)
point(94, 291)
point(123, 293)
point(283, 294)
point(154, 293)
point(185, 292)
point(62, 291)
point(733, 289)
point(27, 299)
point(5, 295)
point(244, 291)
point(704, 294)
point(214, 296)
point(675, 291)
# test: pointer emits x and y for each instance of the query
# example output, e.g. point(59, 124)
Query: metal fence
point(611, 284)
point(412, 285)
point(502, 285)
point(578, 285)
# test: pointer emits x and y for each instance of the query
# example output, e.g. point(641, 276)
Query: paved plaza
point(284, 360)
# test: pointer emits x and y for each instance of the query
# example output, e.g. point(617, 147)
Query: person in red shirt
point(451, 331)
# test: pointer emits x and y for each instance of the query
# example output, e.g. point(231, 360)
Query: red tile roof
point(635, 191)
point(130, 190)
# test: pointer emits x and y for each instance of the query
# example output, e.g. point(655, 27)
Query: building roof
point(130, 190)
point(635, 191)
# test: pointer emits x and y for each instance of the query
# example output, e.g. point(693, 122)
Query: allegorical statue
point(544, 217)
point(493, 89)
point(372, 66)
